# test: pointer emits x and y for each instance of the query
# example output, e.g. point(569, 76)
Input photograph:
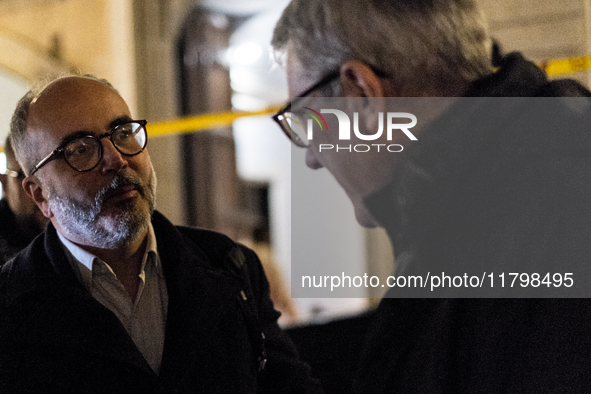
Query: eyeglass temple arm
point(45, 160)
point(12, 173)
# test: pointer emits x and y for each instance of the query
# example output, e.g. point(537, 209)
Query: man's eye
point(79, 148)
point(82, 149)
point(123, 132)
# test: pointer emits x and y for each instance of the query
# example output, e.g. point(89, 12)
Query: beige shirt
point(145, 318)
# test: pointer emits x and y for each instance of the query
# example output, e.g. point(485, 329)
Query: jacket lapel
point(199, 296)
point(70, 319)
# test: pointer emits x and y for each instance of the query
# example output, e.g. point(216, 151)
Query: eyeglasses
point(83, 153)
point(15, 174)
point(285, 118)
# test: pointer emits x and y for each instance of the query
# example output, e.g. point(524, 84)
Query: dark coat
point(505, 197)
point(12, 238)
point(56, 338)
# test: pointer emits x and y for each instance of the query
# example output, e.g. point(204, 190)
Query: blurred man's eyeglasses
point(83, 153)
point(285, 118)
point(15, 174)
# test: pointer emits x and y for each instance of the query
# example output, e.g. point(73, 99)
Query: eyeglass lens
point(85, 153)
point(294, 126)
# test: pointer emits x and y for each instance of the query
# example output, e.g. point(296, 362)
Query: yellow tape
point(201, 122)
point(191, 124)
point(567, 65)
point(207, 121)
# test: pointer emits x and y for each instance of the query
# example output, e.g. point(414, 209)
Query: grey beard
point(84, 222)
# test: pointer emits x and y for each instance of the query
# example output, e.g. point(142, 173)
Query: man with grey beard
point(114, 298)
point(79, 218)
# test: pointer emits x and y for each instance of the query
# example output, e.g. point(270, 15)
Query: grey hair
point(419, 44)
point(23, 147)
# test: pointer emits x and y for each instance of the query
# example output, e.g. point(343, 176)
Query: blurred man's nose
point(311, 160)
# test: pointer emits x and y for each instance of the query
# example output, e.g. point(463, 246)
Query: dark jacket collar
point(412, 207)
point(516, 77)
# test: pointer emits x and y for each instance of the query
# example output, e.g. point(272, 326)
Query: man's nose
point(311, 160)
point(112, 160)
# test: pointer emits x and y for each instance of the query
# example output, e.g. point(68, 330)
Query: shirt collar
point(82, 261)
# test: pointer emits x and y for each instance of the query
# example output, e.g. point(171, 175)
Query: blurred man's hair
point(419, 44)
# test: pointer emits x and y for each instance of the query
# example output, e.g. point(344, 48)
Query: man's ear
point(33, 188)
point(359, 80)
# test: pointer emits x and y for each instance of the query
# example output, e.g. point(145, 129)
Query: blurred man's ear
point(33, 188)
point(359, 80)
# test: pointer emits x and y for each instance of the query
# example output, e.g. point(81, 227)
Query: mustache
point(117, 182)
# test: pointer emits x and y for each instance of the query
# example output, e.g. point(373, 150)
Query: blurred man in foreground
point(492, 182)
point(20, 219)
point(114, 298)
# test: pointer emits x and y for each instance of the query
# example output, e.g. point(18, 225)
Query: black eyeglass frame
point(281, 120)
point(60, 149)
